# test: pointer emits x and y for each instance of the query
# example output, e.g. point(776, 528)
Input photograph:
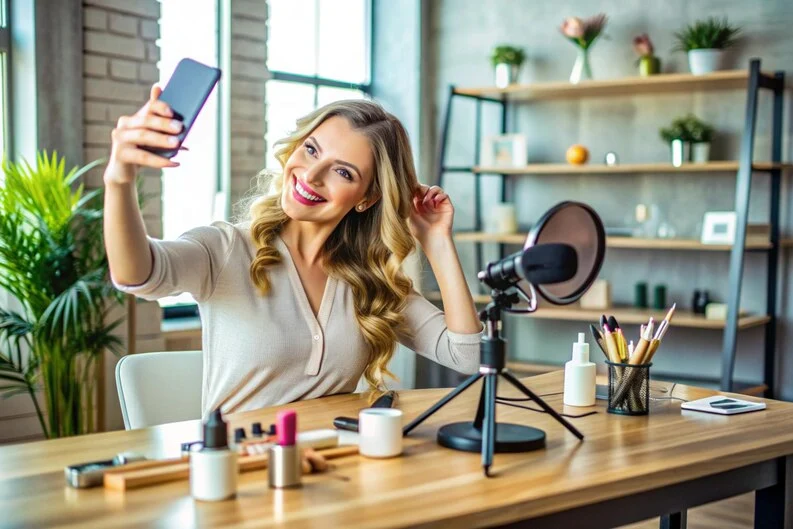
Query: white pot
point(681, 151)
point(705, 61)
point(506, 74)
point(700, 152)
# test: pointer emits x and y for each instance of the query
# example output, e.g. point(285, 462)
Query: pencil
point(611, 345)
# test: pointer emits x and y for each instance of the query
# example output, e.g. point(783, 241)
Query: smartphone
point(186, 92)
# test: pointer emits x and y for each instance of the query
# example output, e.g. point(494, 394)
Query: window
point(5, 104)
point(190, 191)
point(318, 51)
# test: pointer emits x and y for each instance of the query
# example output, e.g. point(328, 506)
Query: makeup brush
point(603, 321)
point(599, 339)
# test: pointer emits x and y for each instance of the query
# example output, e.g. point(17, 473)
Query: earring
point(360, 207)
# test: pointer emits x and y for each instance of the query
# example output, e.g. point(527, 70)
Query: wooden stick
point(165, 471)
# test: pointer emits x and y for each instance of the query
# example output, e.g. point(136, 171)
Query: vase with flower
point(648, 63)
point(583, 33)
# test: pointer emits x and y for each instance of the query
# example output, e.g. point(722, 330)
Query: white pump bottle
point(579, 376)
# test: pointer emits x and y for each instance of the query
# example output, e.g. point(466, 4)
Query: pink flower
point(573, 28)
point(643, 45)
point(583, 32)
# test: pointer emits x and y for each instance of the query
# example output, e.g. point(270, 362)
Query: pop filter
point(578, 226)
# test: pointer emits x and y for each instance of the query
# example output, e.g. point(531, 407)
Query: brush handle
point(165, 471)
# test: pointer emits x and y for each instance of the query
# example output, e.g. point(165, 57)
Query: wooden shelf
point(627, 315)
point(625, 169)
point(521, 368)
point(653, 84)
point(619, 242)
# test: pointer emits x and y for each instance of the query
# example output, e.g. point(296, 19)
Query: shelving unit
point(635, 243)
point(751, 80)
point(627, 315)
point(627, 169)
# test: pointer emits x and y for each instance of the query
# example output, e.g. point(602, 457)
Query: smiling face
point(329, 174)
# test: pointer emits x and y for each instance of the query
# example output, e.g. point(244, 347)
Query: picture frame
point(504, 150)
point(718, 227)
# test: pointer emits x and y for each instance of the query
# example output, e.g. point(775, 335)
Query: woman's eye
point(345, 173)
point(310, 149)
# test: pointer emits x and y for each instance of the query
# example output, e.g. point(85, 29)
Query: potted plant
point(507, 61)
point(648, 63)
point(700, 134)
point(52, 260)
point(677, 137)
point(583, 33)
point(705, 42)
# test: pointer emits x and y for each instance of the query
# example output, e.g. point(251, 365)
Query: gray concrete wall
point(462, 34)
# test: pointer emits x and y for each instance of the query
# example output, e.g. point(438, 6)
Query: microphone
point(539, 265)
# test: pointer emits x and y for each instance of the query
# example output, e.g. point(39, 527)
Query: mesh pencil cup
point(629, 389)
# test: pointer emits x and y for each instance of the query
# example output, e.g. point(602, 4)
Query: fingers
point(152, 122)
point(155, 91)
point(430, 196)
point(144, 136)
point(130, 154)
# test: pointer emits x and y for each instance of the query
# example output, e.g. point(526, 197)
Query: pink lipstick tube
point(283, 467)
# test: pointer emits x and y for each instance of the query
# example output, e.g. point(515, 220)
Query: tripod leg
point(489, 427)
point(438, 405)
point(529, 393)
point(480, 409)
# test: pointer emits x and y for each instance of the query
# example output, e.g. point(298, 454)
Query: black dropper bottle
point(215, 431)
point(213, 469)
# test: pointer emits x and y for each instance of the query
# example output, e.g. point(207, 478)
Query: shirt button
point(316, 337)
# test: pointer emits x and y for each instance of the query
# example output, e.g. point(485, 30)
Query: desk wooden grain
point(428, 486)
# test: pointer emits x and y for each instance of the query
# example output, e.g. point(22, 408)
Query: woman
point(308, 295)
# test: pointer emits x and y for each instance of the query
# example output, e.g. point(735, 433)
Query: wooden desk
point(627, 469)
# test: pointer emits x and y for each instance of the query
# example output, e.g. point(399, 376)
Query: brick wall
point(120, 65)
point(248, 76)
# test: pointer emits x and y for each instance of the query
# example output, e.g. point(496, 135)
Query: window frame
point(315, 82)
point(5, 48)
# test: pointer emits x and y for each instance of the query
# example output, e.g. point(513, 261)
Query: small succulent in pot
point(507, 61)
point(705, 42)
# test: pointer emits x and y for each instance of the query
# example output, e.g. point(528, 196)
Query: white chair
point(156, 388)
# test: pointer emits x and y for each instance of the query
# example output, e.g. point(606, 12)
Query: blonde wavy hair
point(366, 250)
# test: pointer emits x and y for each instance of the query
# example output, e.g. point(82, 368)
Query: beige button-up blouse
point(268, 350)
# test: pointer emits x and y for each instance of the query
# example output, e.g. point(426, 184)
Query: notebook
point(723, 405)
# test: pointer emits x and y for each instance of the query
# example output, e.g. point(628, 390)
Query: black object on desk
point(351, 424)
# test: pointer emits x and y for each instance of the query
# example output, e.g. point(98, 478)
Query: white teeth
point(305, 194)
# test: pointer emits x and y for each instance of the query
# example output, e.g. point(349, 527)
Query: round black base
point(510, 438)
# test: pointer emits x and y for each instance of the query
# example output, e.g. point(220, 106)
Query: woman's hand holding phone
point(153, 126)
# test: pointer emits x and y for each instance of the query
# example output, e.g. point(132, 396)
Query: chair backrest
point(156, 388)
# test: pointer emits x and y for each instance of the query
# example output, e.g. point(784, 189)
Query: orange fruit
point(577, 155)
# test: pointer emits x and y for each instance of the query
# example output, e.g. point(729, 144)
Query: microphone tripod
point(484, 433)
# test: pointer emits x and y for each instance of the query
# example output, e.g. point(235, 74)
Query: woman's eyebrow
point(351, 166)
point(313, 139)
point(342, 162)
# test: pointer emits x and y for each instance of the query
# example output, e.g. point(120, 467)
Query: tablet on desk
point(723, 405)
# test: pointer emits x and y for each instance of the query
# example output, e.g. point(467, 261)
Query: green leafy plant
point(712, 33)
point(52, 260)
point(687, 128)
point(698, 130)
point(507, 55)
